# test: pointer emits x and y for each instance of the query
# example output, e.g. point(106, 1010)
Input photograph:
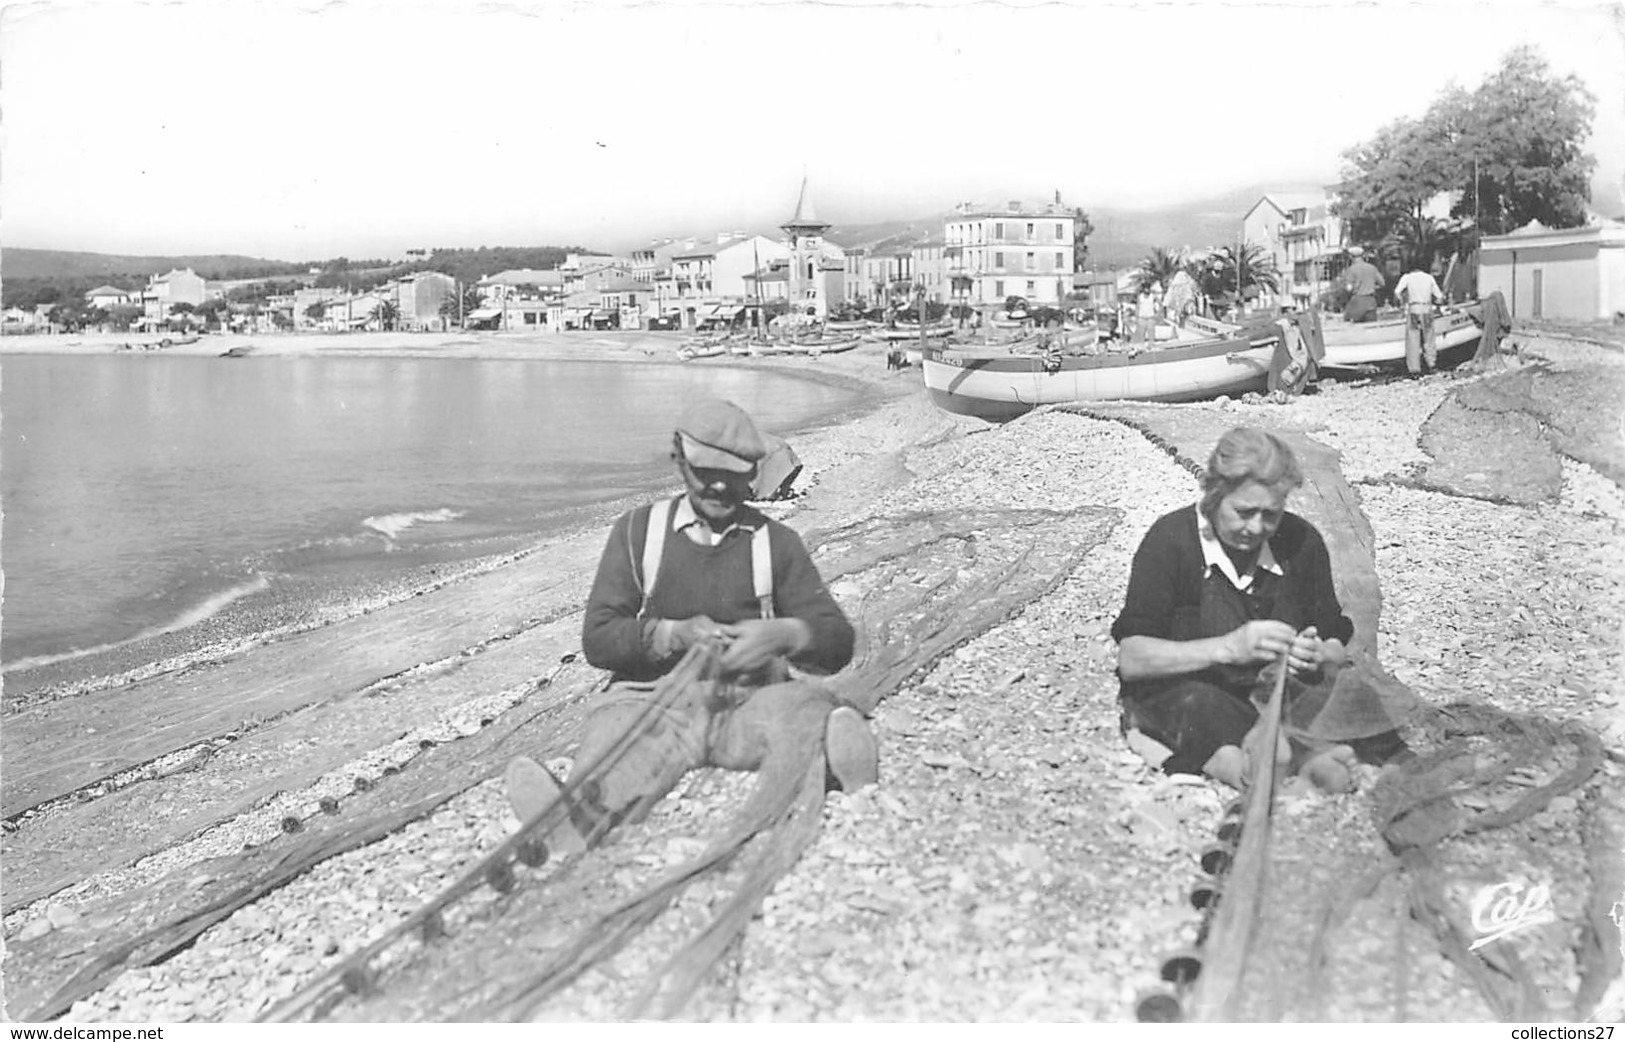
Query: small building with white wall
point(1564, 273)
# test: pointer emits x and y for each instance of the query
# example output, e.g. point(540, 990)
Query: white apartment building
point(1021, 250)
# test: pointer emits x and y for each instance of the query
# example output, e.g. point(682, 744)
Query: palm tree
point(472, 298)
point(388, 313)
point(1218, 275)
point(1157, 268)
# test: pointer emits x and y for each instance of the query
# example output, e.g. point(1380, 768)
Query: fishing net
point(916, 585)
point(1452, 813)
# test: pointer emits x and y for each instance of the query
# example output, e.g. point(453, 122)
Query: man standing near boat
point(706, 571)
point(1363, 281)
point(1419, 294)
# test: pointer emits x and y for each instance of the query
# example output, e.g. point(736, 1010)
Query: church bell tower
point(806, 234)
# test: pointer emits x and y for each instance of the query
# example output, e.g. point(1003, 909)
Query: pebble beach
point(1016, 862)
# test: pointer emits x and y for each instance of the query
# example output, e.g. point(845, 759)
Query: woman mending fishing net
point(1219, 592)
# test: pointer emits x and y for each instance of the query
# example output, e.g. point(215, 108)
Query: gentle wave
point(390, 526)
point(210, 606)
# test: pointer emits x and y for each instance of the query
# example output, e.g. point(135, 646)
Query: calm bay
point(147, 498)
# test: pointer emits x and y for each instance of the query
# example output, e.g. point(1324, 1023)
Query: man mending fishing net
point(703, 569)
point(1220, 590)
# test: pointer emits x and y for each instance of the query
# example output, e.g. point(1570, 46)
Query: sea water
point(144, 495)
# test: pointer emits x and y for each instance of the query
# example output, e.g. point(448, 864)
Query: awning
point(479, 314)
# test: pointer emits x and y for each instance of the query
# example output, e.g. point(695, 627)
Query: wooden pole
point(921, 316)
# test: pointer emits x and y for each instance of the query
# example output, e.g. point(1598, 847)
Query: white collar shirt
point(1213, 556)
point(691, 524)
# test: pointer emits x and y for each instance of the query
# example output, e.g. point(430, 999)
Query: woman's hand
point(1262, 640)
point(1307, 654)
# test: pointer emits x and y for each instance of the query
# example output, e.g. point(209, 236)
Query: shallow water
point(146, 494)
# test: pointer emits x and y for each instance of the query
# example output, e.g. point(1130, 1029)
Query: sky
point(301, 130)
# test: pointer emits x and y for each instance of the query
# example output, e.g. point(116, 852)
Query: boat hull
point(1003, 387)
point(1383, 343)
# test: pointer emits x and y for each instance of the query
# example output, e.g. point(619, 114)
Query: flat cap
point(719, 435)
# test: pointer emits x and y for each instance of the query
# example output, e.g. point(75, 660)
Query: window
point(998, 288)
point(1060, 232)
point(1029, 229)
point(1032, 261)
point(1032, 287)
point(1060, 262)
point(998, 260)
point(998, 229)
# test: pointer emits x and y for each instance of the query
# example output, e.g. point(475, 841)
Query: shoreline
point(278, 612)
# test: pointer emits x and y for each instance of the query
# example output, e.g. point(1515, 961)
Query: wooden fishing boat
point(1457, 330)
point(997, 385)
point(806, 347)
point(905, 332)
point(689, 352)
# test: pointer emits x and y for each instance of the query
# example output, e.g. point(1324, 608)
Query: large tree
point(1509, 152)
point(1082, 228)
point(1525, 128)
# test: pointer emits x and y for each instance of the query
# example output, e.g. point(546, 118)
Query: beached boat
point(689, 352)
point(806, 347)
point(906, 332)
point(1457, 330)
point(997, 385)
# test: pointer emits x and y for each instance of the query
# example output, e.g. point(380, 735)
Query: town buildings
point(1020, 250)
point(1302, 239)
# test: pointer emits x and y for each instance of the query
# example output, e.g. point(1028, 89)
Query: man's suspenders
point(654, 546)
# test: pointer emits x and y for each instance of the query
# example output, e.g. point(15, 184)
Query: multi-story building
point(931, 268)
point(889, 270)
point(590, 277)
point(854, 290)
point(1018, 251)
point(706, 280)
point(418, 299)
point(627, 299)
point(1302, 238)
point(306, 313)
point(179, 286)
point(521, 284)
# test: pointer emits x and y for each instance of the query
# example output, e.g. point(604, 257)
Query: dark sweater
point(1165, 584)
point(714, 581)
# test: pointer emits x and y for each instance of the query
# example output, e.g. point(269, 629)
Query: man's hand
point(685, 633)
point(754, 643)
point(1261, 640)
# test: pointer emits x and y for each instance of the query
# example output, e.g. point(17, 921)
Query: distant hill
point(1120, 238)
point(22, 263)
